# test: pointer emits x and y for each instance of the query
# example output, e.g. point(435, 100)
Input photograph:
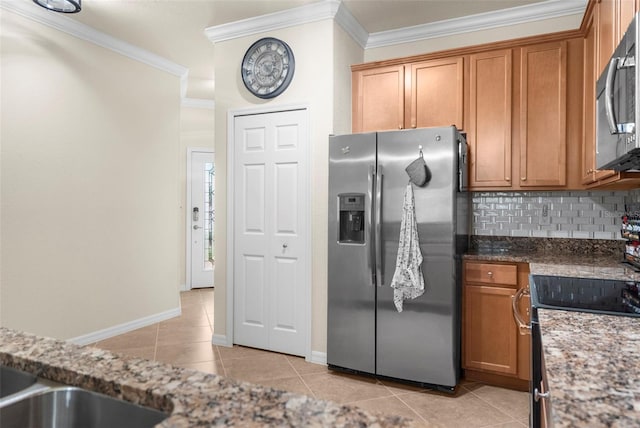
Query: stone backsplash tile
point(574, 214)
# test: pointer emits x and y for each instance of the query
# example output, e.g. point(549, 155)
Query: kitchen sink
point(70, 407)
point(12, 381)
point(602, 296)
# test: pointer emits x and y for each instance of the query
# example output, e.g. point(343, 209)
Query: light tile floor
point(185, 341)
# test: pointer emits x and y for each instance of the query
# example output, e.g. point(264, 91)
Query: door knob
point(196, 227)
point(284, 246)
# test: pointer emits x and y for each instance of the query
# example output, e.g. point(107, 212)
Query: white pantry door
point(270, 227)
point(202, 217)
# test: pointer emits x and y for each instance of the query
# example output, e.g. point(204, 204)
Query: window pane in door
point(209, 214)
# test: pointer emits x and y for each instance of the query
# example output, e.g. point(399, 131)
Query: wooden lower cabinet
point(493, 350)
point(491, 336)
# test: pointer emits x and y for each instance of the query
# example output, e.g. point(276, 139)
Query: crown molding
point(198, 103)
point(313, 12)
point(77, 29)
point(334, 9)
point(350, 24)
point(482, 21)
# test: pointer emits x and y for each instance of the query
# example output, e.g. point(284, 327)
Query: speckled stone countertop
point(192, 398)
point(592, 368)
point(592, 361)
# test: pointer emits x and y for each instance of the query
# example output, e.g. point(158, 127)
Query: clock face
point(267, 67)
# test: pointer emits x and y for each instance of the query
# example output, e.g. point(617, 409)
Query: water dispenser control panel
point(351, 207)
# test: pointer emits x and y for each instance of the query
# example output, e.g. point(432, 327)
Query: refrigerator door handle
point(378, 228)
point(369, 226)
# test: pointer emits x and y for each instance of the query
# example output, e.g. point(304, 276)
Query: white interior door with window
point(201, 218)
point(271, 220)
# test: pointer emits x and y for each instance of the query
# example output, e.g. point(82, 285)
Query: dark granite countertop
point(192, 398)
point(559, 257)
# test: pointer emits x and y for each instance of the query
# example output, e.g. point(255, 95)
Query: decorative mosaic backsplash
point(577, 214)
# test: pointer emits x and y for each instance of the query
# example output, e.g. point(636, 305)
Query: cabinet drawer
point(491, 273)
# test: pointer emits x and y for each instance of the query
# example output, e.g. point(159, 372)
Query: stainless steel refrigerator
point(367, 182)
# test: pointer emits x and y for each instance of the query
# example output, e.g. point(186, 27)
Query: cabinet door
point(543, 113)
point(489, 133)
point(436, 93)
point(589, 106)
point(490, 332)
point(606, 35)
point(626, 11)
point(589, 172)
point(378, 99)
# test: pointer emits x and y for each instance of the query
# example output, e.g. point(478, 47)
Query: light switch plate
point(545, 218)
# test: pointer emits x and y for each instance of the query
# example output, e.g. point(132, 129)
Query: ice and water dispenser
point(351, 208)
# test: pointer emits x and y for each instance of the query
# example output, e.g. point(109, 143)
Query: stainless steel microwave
point(616, 110)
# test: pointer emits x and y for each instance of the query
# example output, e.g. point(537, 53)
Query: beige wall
point(570, 22)
point(89, 184)
point(312, 85)
point(196, 130)
point(346, 52)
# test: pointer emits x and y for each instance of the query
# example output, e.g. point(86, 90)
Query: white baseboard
point(318, 358)
point(106, 333)
point(221, 340)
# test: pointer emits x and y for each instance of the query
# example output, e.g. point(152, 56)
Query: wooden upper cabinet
point(589, 172)
point(543, 112)
point(489, 131)
point(607, 33)
point(378, 99)
point(435, 89)
point(626, 11)
point(589, 106)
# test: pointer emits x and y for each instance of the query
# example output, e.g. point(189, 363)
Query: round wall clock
point(267, 67)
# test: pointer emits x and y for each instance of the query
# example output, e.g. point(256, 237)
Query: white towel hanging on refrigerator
point(407, 282)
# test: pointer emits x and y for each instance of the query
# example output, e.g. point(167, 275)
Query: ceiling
point(174, 29)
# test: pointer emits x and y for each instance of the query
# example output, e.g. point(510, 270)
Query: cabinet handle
point(399, 126)
point(508, 178)
point(523, 327)
point(490, 273)
point(523, 178)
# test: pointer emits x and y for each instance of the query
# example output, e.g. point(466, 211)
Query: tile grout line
point(313, 394)
point(488, 403)
point(417, 415)
point(224, 369)
point(413, 410)
point(155, 347)
point(391, 391)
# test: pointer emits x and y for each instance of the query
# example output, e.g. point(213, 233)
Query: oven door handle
point(523, 327)
point(539, 395)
